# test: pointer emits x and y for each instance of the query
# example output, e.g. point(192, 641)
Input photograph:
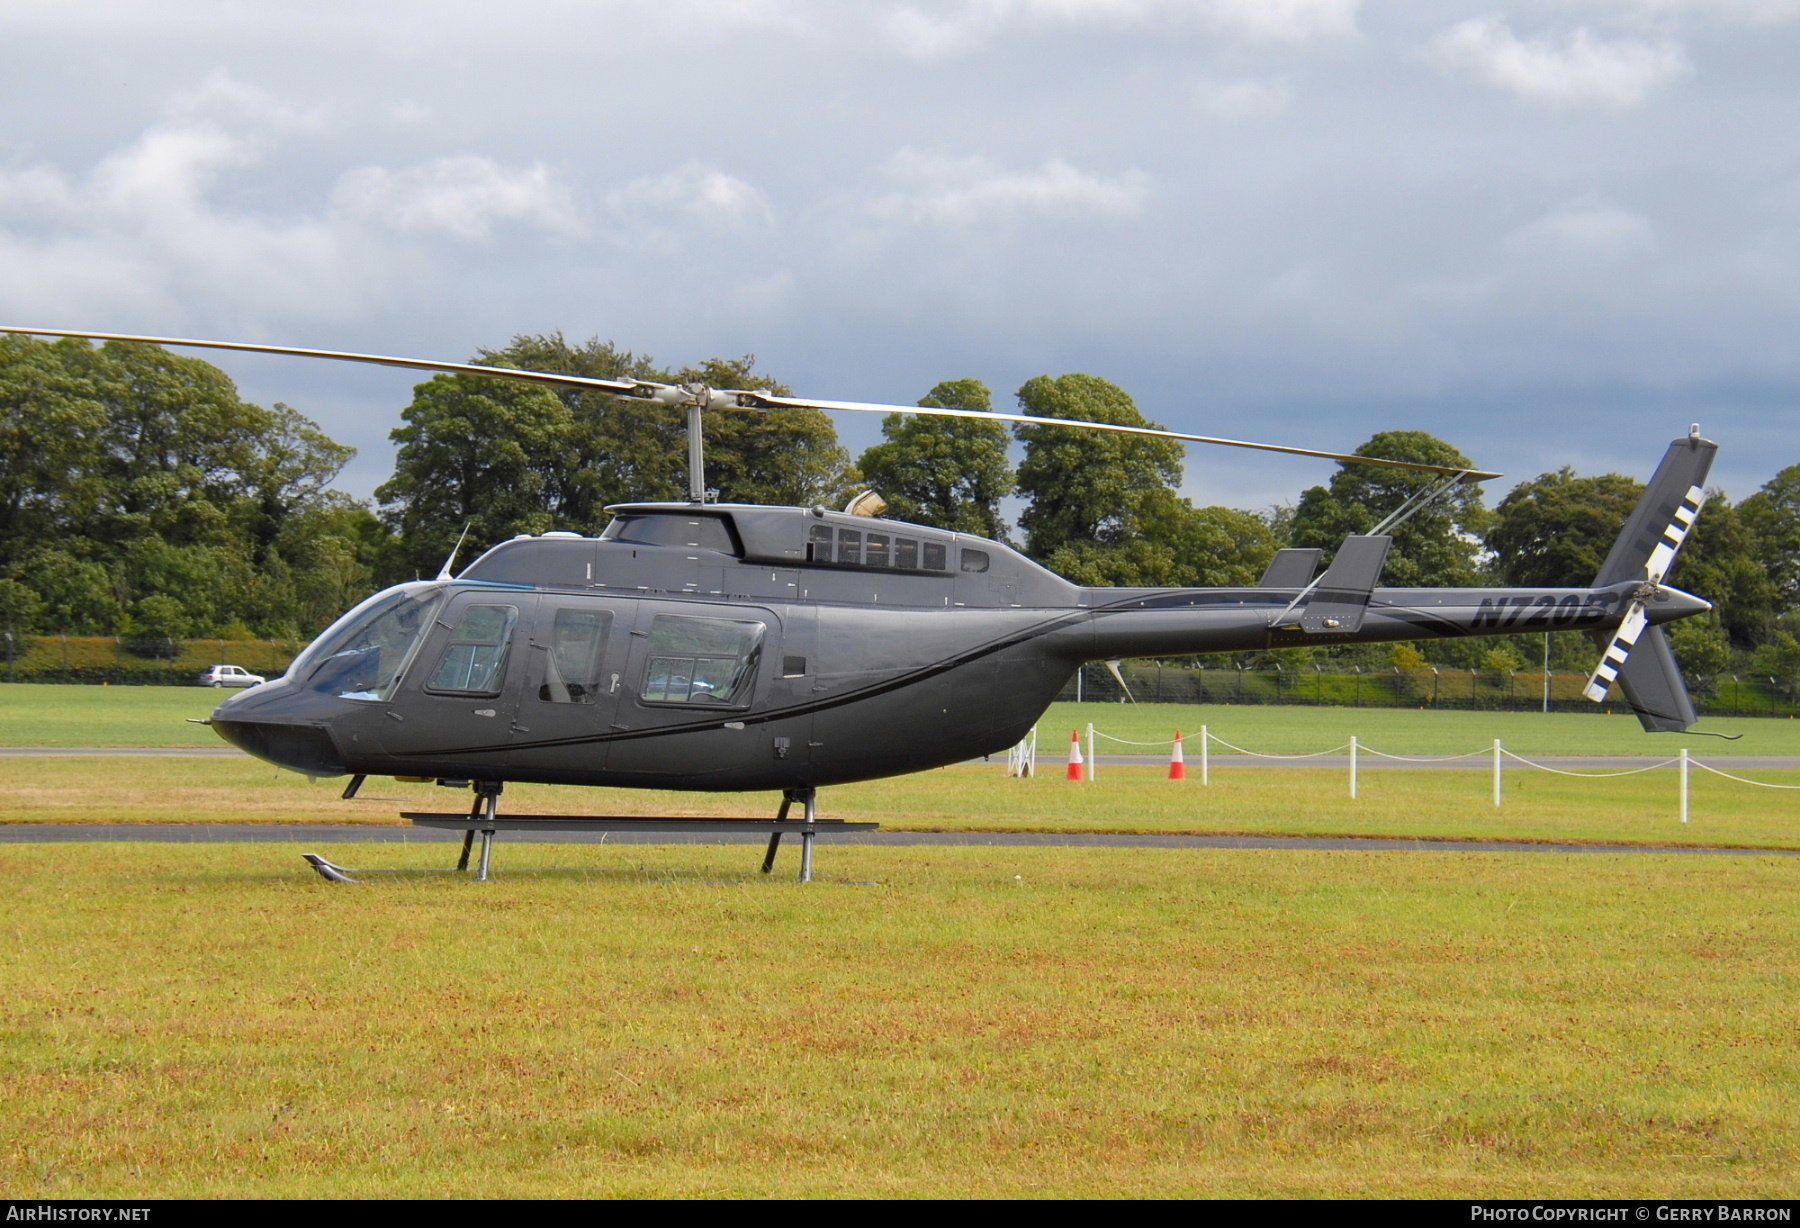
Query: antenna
point(444, 571)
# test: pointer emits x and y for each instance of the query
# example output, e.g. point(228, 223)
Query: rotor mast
point(696, 446)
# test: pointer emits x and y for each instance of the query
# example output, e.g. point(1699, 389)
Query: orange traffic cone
point(1076, 771)
point(1177, 766)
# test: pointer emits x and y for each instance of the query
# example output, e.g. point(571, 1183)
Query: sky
point(1553, 232)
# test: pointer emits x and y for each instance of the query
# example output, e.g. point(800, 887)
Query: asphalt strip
point(245, 833)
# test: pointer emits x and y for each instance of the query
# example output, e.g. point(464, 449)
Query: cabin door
point(697, 671)
point(573, 664)
point(454, 712)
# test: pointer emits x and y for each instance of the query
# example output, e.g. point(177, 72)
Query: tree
point(948, 472)
point(1722, 563)
point(1085, 485)
point(475, 453)
point(1557, 529)
point(1437, 547)
point(505, 457)
point(1772, 516)
point(128, 473)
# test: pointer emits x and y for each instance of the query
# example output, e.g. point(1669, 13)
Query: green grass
point(51, 715)
point(1640, 809)
point(1280, 729)
point(215, 1021)
point(56, 715)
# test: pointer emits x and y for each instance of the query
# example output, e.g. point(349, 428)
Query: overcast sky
point(1552, 233)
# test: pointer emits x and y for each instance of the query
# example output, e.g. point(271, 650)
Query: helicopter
point(712, 646)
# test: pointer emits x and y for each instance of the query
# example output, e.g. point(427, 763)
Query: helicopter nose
point(1669, 604)
point(300, 748)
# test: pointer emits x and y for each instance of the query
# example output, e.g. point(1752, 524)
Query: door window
point(474, 661)
point(708, 661)
point(577, 650)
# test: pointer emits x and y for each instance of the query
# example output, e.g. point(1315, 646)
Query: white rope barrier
point(1742, 780)
point(1683, 762)
point(1544, 767)
point(1129, 742)
point(1311, 754)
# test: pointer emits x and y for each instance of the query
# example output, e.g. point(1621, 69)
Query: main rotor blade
point(745, 399)
point(1347, 458)
point(380, 360)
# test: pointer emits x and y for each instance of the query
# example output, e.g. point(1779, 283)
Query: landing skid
point(483, 817)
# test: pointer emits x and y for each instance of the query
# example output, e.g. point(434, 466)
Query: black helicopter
point(712, 646)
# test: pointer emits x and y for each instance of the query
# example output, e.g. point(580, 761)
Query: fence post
point(1353, 766)
point(1684, 784)
point(1204, 739)
point(1093, 759)
point(1496, 771)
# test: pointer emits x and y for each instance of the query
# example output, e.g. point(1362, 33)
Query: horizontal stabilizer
point(1291, 568)
point(1342, 597)
point(1653, 685)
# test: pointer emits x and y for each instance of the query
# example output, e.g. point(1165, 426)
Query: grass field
point(1641, 808)
point(48, 715)
point(214, 1021)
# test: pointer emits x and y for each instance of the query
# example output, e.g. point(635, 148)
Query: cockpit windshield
point(363, 654)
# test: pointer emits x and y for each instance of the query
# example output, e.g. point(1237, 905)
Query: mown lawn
point(1434, 804)
point(215, 1021)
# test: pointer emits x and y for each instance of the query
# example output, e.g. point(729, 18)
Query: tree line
point(141, 496)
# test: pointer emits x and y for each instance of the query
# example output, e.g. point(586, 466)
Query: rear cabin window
point(858, 548)
point(850, 546)
point(474, 661)
point(705, 661)
point(675, 529)
point(576, 651)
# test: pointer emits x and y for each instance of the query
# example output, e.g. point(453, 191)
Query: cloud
point(224, 98)
point(962, 26)
point(1736, 12)
point(146, 231)
point(972, 191)
point(1239, 100)
point(693, 192)
point(1587, 226)
point(1579, 70)
point(461, 196)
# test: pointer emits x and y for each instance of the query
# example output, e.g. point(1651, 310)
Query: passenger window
point(818, 543)
point(474, 662)
point(576, 650)
point(875, 552)
point(934, 556)
point(850, 546)
point(906, 552)
point(974, 560)
point(708, 661)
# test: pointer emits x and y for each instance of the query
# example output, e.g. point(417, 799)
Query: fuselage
point(728, 648)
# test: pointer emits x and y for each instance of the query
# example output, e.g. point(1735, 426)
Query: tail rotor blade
point(1636, 619)
point(1663, 556)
